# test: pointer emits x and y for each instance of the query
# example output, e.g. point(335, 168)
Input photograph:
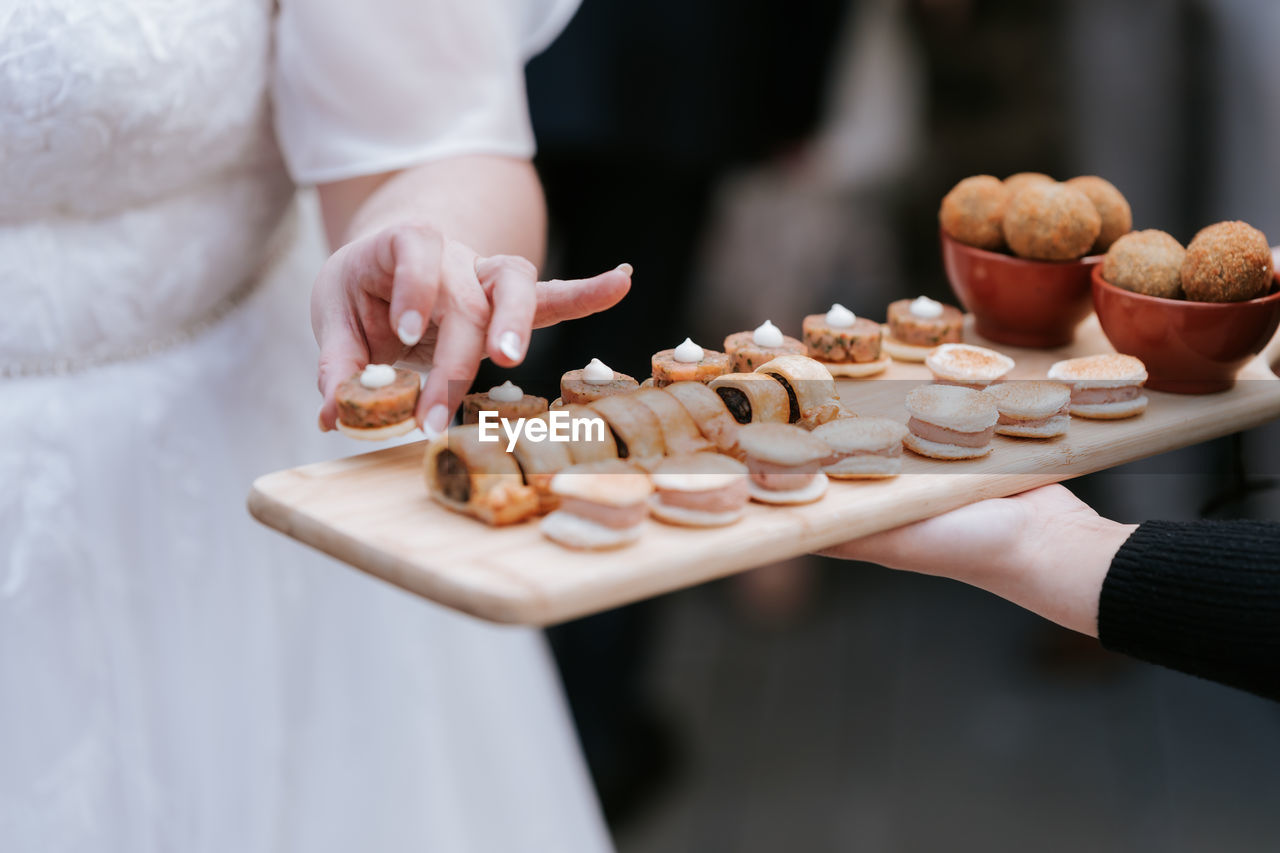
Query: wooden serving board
point(373, 512)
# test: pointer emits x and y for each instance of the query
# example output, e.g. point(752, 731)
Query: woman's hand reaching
point(410, 294)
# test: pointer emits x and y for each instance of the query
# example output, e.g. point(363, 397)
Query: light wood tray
point(373, 512)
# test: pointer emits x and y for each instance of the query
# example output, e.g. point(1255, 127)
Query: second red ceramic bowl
point(1017, 301)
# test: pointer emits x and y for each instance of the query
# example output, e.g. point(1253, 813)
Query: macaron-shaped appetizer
point(749, 350)
point(688, 363)
point(602, 505)
point(784, 462)
point(699, 490)
point(1031, 409)
point(950, 422)
point(862, 448)
point(505, 401)
point(378, 402)
point(811, 390)
point(918, 325)
point(477, 478)
point(594, 382)
point(845, 344)
point(967, 365)
point(1104, 387)
point(753, 398)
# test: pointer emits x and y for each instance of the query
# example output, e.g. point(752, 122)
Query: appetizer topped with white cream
point(749, 350)
point(918, 325)
point(1031, 409)
point(504, 401)
point(594, 382)
point(1104, 387)
point(688, 363)
point(602, 505)
point(785, 463)
point(846, 345)
point(950, 422)
point(378, 402)
point(967, 365)
point(701, 490)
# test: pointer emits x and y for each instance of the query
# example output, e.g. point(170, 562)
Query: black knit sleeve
point(1201, 597)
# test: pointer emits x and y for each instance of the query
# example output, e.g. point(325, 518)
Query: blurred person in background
point(173, 677)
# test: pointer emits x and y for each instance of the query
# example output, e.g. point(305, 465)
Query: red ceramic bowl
point(1016, 301)
point(1188, 347)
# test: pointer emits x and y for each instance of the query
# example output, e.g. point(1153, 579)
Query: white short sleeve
point(367, 87)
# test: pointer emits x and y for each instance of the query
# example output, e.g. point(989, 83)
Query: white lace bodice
point(141, 180)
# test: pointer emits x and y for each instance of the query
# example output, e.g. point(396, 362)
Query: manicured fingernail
point(509, 343)
point(320, 419)
point(436, 420)
point(410, 329)
point(626, 268)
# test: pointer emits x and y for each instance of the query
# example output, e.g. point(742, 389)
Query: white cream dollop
point(377, 375)
point(688, 352)
point(597, 373)
point(767, 335)
point(840, 317)
point(923, 306)
point(506, 393)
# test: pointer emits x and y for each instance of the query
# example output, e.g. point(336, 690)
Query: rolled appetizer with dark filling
point(709, 412)
point(950, 422)
point(784, 463)
point(602, 505)
point(749, 350)
point(918, 325)
point(378, 402)
point(751, 400)
point(477, 478)
point(539, 461)
point(699, 490)
point(1031, 409)
point(679, 432)
point(635, 428)
point(846, 345)
point(688, 363)
point(967, 365)
point(862, 448)
point(1104, 387)
point(594, 382)
point(811, 391)
point(504, 401)
point(590, 439)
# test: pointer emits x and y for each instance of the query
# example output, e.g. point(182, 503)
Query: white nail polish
point(436, 420)
point(320, 418)
point(626, 268)
point(411, 328)
point(509, 344)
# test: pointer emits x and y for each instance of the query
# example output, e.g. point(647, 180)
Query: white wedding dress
point(174, 677)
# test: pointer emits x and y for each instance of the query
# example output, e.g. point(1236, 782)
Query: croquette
point(1147, 262)
point(1117, 218)
point(1227, 262)
point(1019, 181)
point(973, 210)
point(1051, 222)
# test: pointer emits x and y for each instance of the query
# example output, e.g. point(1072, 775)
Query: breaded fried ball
point(973, 210)
point(1227, 262)
point(1019, 181)
point(1147, 262)
point(1051, 222)
point(1117, 218)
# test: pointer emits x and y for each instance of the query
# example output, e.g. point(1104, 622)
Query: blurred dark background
point(761, 159)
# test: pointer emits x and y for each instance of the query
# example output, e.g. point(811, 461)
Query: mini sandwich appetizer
point(967, 365)
point(688, 362)
point(918, 325)
point(539, 461)
point(749, 350)
point(845, 345)
point(378, 402)
point(594, 441)
point(594, 382)
point(504, 401)
point(1105, 387)
point(753, 398)
point(702, 490)
point(635, 429)
point(811, 391)
point(680, 435)
point(477, 478)
point(949, 422)
point(602, 505)
point(784, 462)
point(709, 412)
point(862, 448)
point(1031, 409)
